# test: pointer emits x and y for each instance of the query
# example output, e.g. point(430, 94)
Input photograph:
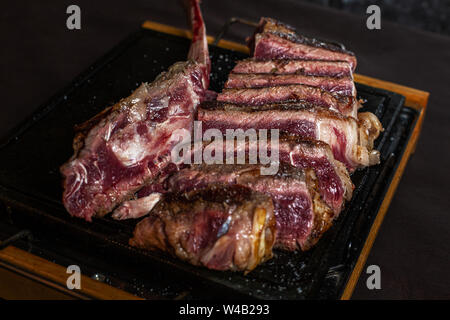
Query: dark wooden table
point(39, 56)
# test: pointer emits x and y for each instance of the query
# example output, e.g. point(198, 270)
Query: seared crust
point(323, 214)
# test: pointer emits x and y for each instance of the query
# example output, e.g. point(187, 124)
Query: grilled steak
point(343, 86)
point(275, 40)
point(129, 144)
point(226, 228)
point(350, 140)
point(290, 93)
point(303, 67)
point(301, 215)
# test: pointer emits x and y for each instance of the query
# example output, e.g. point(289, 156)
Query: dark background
point(430, 15)
point(39, 56)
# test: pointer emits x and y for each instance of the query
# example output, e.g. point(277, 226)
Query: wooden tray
point(46, 273)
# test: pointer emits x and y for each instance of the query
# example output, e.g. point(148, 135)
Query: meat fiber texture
point(221, 228)
point(128, 145)
point(343, 86)
point(350, 140)
point(319, 68)
point(289, 93)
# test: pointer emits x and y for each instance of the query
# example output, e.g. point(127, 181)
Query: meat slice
point(302, 67)
point(301, 215)
point(275, 40)
point(343, 86)
point(128, 145)
point(290, 93)
point(226, 228)
point(350, 140)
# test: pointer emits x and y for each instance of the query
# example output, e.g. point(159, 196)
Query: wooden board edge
point(414, 98)
point(54, 275)
point(354, 277)
point(188, 34)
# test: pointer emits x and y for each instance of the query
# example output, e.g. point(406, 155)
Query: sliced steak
point(301, 215)
point(128, 145)
point(303, 67)
point(343, 86)
point(290, 93)
point(350, 140)
point(226, 228)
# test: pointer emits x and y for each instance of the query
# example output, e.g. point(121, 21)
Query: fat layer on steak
point(221, 228)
